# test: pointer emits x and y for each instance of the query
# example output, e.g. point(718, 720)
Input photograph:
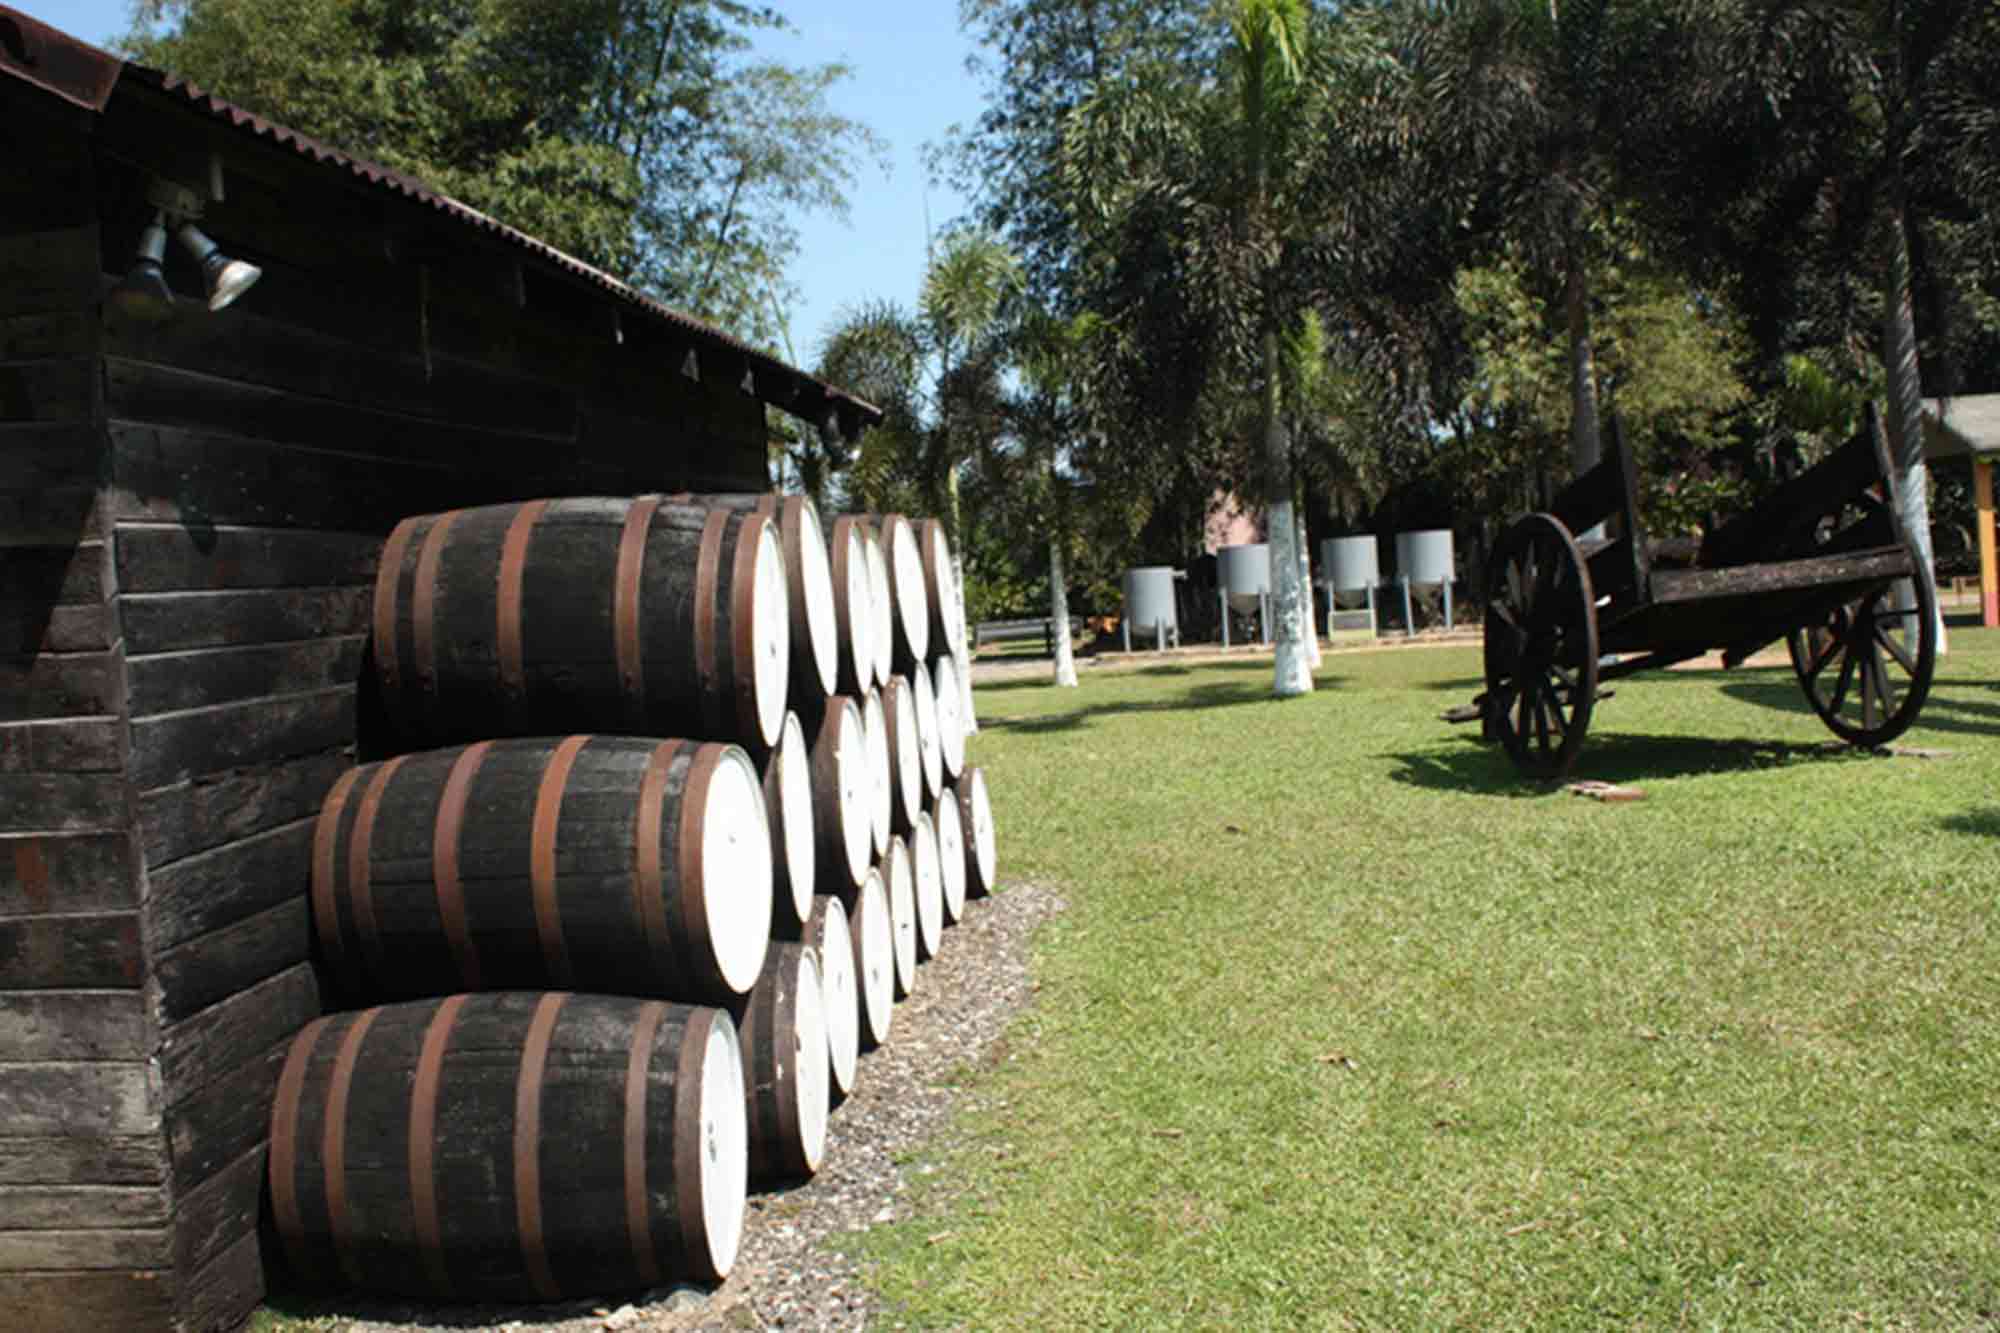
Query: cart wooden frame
point(1822, 562)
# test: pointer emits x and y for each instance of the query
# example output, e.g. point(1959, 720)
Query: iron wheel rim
point(1541, 647)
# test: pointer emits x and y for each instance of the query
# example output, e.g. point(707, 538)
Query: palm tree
point(877, 351)
point(968, 288)
point(1531, 103)
point(1269, 49)
point(1053, 360)
point(935, 372)
point(1890, 113)
point(1243, 189)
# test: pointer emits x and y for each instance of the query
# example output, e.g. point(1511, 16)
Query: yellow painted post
point(1989, 575)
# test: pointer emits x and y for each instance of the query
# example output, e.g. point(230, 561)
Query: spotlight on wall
point(143, 292)
point(225, 278)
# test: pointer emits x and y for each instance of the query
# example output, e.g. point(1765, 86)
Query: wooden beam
point(1989, 575)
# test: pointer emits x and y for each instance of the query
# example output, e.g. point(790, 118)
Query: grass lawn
point(1345, 1026)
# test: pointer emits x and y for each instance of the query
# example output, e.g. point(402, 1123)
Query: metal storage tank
point(1425, 557)
point(1352, 564)
point(1243, 575)
point(1150, 604)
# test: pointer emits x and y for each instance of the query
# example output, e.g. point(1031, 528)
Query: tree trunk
point(1313, 655)
point(1059, 613)
point(1292, 669)
point(1899, 359)
point(1584, 447)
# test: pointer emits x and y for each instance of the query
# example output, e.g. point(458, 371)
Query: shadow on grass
point(1112, 672)
point(1983, 822)
point(1964, 707)
point(1618, 757)
point(1217, 694)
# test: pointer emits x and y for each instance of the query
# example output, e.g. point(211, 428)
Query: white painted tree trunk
point(1313, 655)
point(1292, 668)
point(1292, 665)
point(1059, 614)
point(1585, 447)
point(1906, 404)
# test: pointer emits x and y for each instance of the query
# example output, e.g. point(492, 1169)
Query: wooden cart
point(1822, 562)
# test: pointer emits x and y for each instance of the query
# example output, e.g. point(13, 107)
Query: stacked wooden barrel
point(635, 884)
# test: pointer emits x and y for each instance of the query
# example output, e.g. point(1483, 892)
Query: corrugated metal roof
point(1957, 427)
point(56, 62)
point(51, 49)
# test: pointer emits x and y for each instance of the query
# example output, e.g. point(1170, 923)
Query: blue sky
point(909, 85)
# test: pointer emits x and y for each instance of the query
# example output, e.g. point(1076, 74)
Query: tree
point(1670, 358)
point(968, 288)
point(1249, 191)
point(1885, 115)
point(936, 374)
point(1041, 60)
point(1531, 103)
point(1050, 416)
point(637, 135)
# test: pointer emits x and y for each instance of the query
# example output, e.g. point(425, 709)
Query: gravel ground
point(787, 1275)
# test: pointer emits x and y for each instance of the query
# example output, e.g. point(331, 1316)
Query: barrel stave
point(540, 873)
point(538, 1155)
point(586, 614)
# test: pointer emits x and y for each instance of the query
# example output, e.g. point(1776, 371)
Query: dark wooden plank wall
point(85, 1241)
point(257, 458)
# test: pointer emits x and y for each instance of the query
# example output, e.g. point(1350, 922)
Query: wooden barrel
point(950, 694)
point(906, 756)
point(853, 604)
point(633, 866)
point(633, 616)
point(975, 818)
point(927, 877)
point(882, 608)
point(947, 604)
point(924, 692)
point(843, 797)
point(951, 855)
point(815, 648)
point(831, 939)
point(881, 788)
point(874, 936)
point(785, 1067)
point(788, 807)
point(899, 877)
point(909, 604)
point(511, 1146)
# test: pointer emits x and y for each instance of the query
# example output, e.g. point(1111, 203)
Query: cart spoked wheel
point(1541, 646)
point(1866, 667)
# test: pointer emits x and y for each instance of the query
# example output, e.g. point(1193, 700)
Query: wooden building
point(1969, 428)
point(191, 508)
